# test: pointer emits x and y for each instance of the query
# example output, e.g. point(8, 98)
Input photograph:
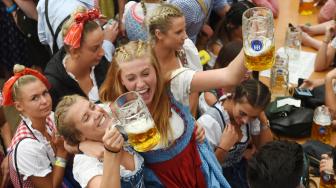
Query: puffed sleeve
point(212, 129)
point(180, 84)
point(32, 159)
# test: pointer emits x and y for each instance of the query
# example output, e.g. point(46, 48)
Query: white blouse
point(85, 168)
point(93, 94)
point(213, 131)
point(35, 157)
point(180, 89)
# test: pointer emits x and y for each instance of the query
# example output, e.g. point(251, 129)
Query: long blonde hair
point(113, 87)
point(161, 19)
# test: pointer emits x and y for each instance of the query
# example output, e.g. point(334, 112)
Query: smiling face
point(175, 35)
point(89, 119)
point(139, 75)
point(243, 112)
point(34, 100)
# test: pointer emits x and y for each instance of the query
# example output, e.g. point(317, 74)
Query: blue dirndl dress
point(210, 168)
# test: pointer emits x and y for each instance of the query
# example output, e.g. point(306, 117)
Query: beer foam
point(142, 125)
point(267, 44)
point(323, 120)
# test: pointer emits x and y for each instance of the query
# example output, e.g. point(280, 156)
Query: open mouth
point(144, 93)
point(102, 121)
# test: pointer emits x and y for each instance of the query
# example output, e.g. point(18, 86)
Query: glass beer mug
point(322, 129)
point(258, 38)
point(137, 122)
point(279, 76)
point(293, 42)
point(306, 7)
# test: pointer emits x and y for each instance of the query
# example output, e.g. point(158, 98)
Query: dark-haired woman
point(228, 29)
point(231, 131)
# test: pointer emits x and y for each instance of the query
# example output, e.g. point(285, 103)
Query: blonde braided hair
point(143, 6)
point(161, 18)
point(65, 126)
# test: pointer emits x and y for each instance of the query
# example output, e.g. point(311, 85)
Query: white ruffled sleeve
point(212, 129)
point(32, 159)
point(180, 84)
point(85, 168)
point(194, 61)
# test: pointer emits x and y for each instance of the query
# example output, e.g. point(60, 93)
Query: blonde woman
point(37, 158)
point(80, 120)
point(172, 48)
point(178, 160)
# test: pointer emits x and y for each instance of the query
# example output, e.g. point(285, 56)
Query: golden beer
point(142, 134)
point(258, 38)
point(259, 61)
point(306, 7)
point(279, 76)
point(321, 131)
point(321, 128)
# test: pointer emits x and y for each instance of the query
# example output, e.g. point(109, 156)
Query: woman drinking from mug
point(177, 160)
point(79, 67)
point(80, 120)
point(37, 157)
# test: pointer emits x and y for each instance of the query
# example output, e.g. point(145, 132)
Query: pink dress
point(327, 12)
point(271, 4)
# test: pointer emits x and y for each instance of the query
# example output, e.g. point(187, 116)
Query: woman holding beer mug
point(79, 120)
point(177, 160)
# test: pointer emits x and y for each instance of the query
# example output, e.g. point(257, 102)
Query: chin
point(149, 100)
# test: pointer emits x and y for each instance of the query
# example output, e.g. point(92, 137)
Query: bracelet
point(11, 9)
point(60, 162)
point(218, 147)
point(111, 150)
point(325, 41)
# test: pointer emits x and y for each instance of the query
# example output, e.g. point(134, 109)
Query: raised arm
point(226, 78)
point(113, 143)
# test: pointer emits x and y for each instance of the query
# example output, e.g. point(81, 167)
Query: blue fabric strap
point(11, 9)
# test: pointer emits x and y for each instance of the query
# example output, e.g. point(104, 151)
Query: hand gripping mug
point(137, 122)
point(258, 38)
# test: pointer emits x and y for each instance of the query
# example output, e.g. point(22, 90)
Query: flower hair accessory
point(7, 89)
point(74, 35)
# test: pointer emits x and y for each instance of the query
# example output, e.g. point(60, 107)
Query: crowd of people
point(64, 62)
